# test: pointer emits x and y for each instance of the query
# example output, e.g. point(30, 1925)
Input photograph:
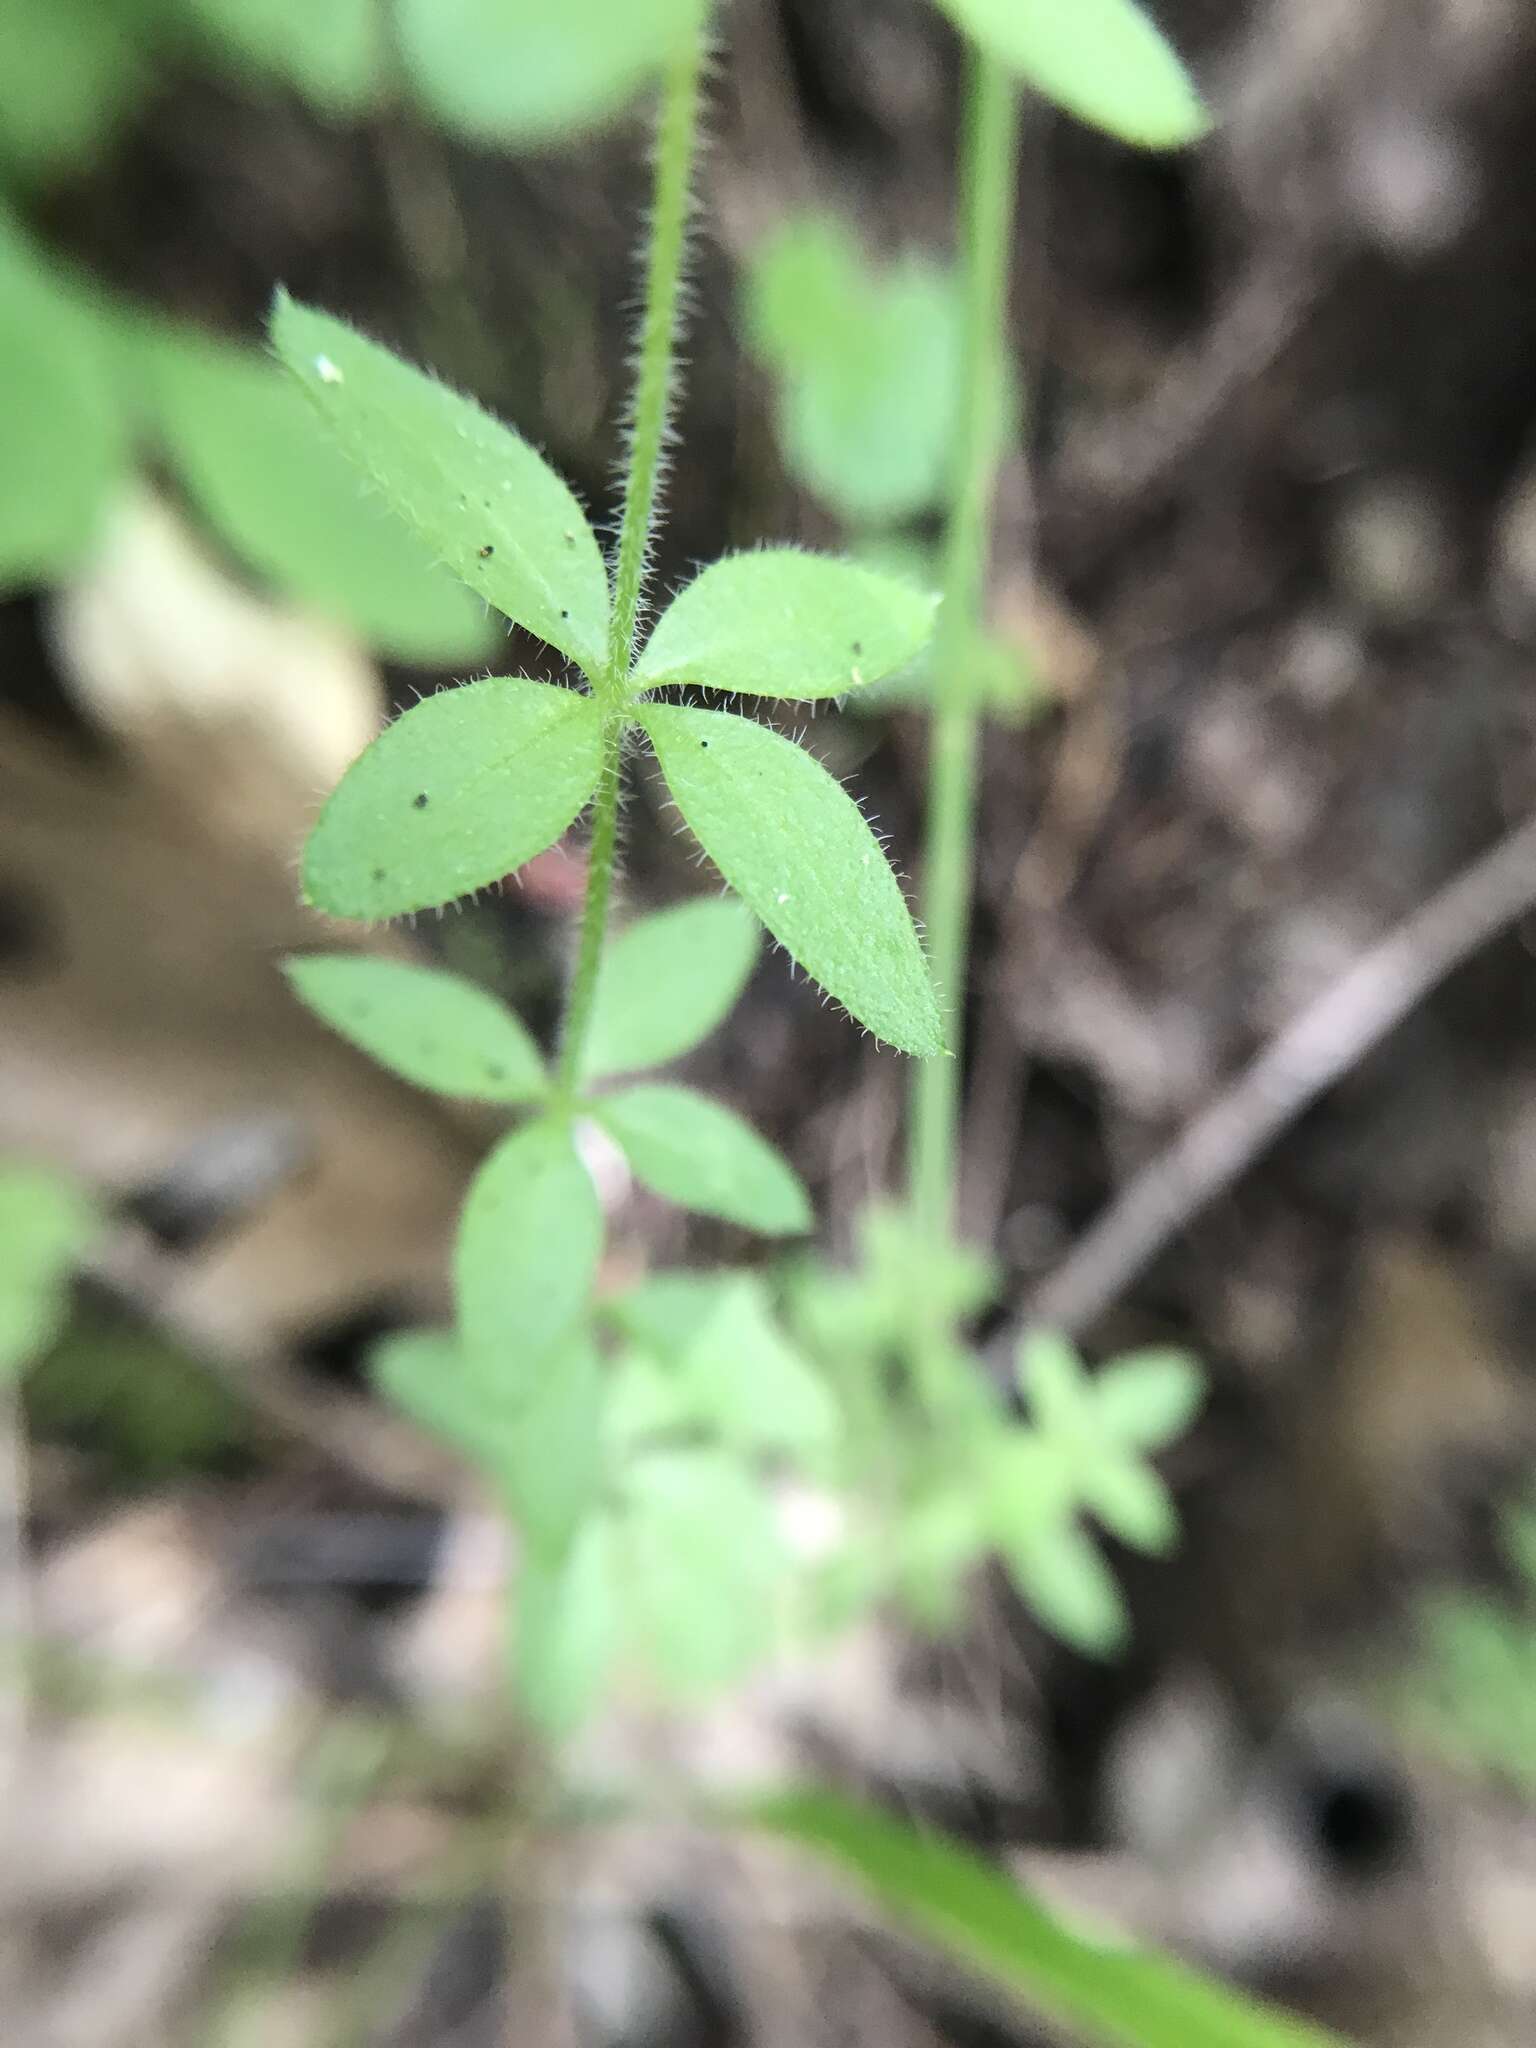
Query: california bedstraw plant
point(464, 789)
point(633, 1439)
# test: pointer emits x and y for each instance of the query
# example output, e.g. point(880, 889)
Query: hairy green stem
point(677, 131)
point(602, 860)
point(676, 144)
point(987, 156)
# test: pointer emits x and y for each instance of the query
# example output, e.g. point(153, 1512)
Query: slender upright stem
point(988, 149)
point(602, 860)
point(676, 145)
point(677, 132)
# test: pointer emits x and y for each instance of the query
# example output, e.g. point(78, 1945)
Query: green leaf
point(1132, 1502)
point(726, 1365)
point(703, 1156)
point(1147, 1398)
point(285, 498)
point(529, 1242)
point(333, 54)
point(1103, 60)
point(63, 432)
point(45, 1226)
point(1052, 1380)
point(522, 71)
point(794, 845)
point(434, 1028)
point(475, 491)
point(704, 1556)
point(783, 623)
point(69, 76)
point(458, 792)
point(868, 359)
point(543, 1450)
point(549, 1462)
point(1062, 1575)
point(424, 1374)
point(1119, 1995)
point(566, 1640)
point(667, 982)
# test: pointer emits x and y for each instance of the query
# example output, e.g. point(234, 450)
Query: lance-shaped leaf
point(476, 492)
point(423, 1372)
point(568, 1630)
point(63, 430)
point(1132, 1502)
point(431, 1027)
point(1061, 1573)
point(544, 1453)
point(703, 1156)
point(336, 54)
point(794, 846)
point(528, 1246)
point(1104, 1990)
point(667, 982)
point(1103, 60)
point(782, 623)
point(286, 499)
point(524, 71)
point(1147, 1398)
point(458, 792)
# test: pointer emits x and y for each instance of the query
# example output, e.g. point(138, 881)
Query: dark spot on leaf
point(494, 1072)
point(419, 801)
point(378, 874)
point(486, 552)
point(565, 615)
point(858, 646)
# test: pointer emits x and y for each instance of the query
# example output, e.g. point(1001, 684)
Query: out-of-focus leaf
point(568, 1630)
point(1103, 60)
point(1147, 1398)
point(703, 1559)
point(525, 72)
point(432, 1027)
point(275, 486)
point(724, 1363)
point(1115, 1993)
point(529, 1241)
point(64, 441)
point(667, 982)
point(69, 71)
point(703, 1156)
point(332, 52)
